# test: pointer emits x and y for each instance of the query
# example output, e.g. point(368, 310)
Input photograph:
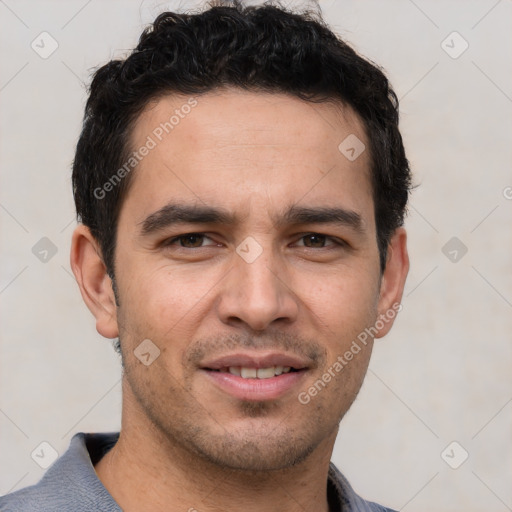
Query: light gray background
point(442, 375)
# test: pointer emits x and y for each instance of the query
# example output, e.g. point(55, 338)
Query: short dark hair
point(259, 48)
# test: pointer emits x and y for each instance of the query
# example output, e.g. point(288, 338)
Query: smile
point(256, 373)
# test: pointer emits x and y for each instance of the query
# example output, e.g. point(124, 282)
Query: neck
point(147, 471)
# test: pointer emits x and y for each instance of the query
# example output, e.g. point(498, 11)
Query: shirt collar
point(87, 449)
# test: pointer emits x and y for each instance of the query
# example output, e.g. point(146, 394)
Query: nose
point(257, 293)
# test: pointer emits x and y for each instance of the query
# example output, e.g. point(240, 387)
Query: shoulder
point(375, 507)
point(36, 498)
point(342, 496)
point(69, 484)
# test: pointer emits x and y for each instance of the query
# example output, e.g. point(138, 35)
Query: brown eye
point(314, 240)
point(191, 241)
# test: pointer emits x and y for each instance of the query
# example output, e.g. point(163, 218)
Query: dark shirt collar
point(340, 495)
point(71, 483)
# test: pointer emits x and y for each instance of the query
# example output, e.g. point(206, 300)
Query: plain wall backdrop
point(439, 385)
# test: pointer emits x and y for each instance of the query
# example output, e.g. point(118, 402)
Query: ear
point(392, 281)
point(93, 280)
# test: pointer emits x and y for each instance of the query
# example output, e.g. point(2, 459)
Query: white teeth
point(248, 373)
point(258, 373)
point(266, 373)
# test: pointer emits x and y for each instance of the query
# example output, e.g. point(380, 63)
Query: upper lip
point(256, 360)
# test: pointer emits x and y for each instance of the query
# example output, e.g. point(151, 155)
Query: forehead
point(241, 148)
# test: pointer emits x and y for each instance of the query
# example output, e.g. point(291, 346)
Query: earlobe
point(92, 278)
point(393, 280)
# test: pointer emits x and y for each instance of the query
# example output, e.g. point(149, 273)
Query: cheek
point(165, 306)
point(344, 301)
point(163, 292)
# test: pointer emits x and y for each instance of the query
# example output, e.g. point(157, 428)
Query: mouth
point(256, 373)
point(256, 377)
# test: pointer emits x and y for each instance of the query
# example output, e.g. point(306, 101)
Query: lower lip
point(255, 389)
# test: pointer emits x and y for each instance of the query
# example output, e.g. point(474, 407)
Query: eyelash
point(171, 241)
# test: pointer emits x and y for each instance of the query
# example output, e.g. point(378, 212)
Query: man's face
point(264, 290)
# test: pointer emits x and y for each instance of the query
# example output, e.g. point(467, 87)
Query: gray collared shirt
point(71, 484)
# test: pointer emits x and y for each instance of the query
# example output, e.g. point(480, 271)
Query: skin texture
point(184, 441)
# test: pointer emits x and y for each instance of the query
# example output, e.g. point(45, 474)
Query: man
point(241, 185)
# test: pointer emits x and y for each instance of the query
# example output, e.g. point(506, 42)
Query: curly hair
point(259, 48)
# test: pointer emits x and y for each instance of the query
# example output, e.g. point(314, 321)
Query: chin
point(250, 451)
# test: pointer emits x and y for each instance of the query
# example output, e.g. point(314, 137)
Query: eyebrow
point(175, 213)
point(323, 215)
